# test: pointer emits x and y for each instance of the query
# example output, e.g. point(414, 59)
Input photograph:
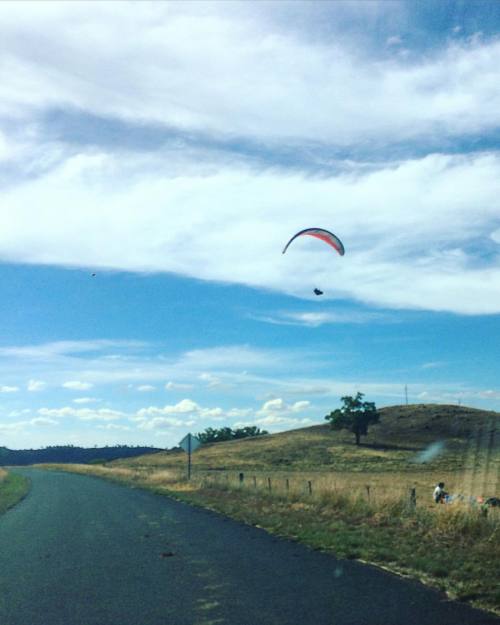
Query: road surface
point(82, 551)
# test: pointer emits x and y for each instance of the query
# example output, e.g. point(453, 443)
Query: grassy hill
point(467, 437)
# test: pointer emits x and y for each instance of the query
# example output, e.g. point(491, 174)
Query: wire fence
point(379, 490)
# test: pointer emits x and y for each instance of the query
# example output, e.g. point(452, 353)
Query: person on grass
point(439, 493)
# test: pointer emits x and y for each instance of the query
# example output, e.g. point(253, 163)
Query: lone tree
point(355, 415)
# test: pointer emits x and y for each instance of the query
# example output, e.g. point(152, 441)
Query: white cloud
point(184, 414)
point(43, 421)
point(314, 319)
point(146, 388)
point(76, 385)
point(239, 412)
point(211, 380)
point(277, 407)
point(83, 414)
point(424, 222)
point(114, 426)
point(164, 422)
point(54, 349)
point(433, 365)
point(36, 385)
point(138, 367)
point(394, 40)
point(155, 63)
point(86, 400)
point(234, 357)
point(178, 386)
point(454, 215)
point(19, 413)
point(300, 405)
point(490, 394)
point(184, 407)
point(9, 389)
point(9, 427)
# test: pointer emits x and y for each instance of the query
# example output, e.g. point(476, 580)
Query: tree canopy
point(211, 435)
point(355, 415)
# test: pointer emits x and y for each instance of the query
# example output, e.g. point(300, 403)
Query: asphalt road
point(81, 551)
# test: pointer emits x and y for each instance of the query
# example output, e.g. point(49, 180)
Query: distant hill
point(463, 436)
point(69, 453)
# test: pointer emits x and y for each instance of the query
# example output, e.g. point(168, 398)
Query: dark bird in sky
point(318, 292)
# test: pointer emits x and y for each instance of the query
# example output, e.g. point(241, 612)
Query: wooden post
point(368, 491)
point(310, 486)
point(287, 484)
point(254, 482)
point(269, 483)
point(413, 497)
point(189, 456)
point(241, 477)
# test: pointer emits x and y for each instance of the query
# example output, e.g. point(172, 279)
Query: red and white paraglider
point(326, 236)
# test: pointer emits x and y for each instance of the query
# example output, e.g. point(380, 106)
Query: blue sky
point(173, 148)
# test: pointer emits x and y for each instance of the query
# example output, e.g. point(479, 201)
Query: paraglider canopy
point(317, 292)
point(320, 233)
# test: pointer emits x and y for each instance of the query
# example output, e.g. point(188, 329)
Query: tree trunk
point(358, 437)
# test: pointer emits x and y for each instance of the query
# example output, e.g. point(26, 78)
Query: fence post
point(287, 484)
point(413, 497)
point(310, 487)
point(242, 477)
point(254, 482)
point(269, 483)
point(368, 491)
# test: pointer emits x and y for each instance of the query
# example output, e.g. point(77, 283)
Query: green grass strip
point(13, 488)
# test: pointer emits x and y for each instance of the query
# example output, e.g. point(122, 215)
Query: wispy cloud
point(77, 385)
point(84, 414)
point(65, 348)
point(36, 385)
point(86, 400)
point(178, 386)
point(315, 319)
point(146, 388)
point(433, 365)
point(8, 389)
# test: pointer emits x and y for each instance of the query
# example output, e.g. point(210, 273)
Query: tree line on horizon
point(70, 453)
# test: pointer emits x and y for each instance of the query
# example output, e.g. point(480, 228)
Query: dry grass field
point(412, 447)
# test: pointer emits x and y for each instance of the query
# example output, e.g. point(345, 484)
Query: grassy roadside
point(12, 489)
point(452, 548)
